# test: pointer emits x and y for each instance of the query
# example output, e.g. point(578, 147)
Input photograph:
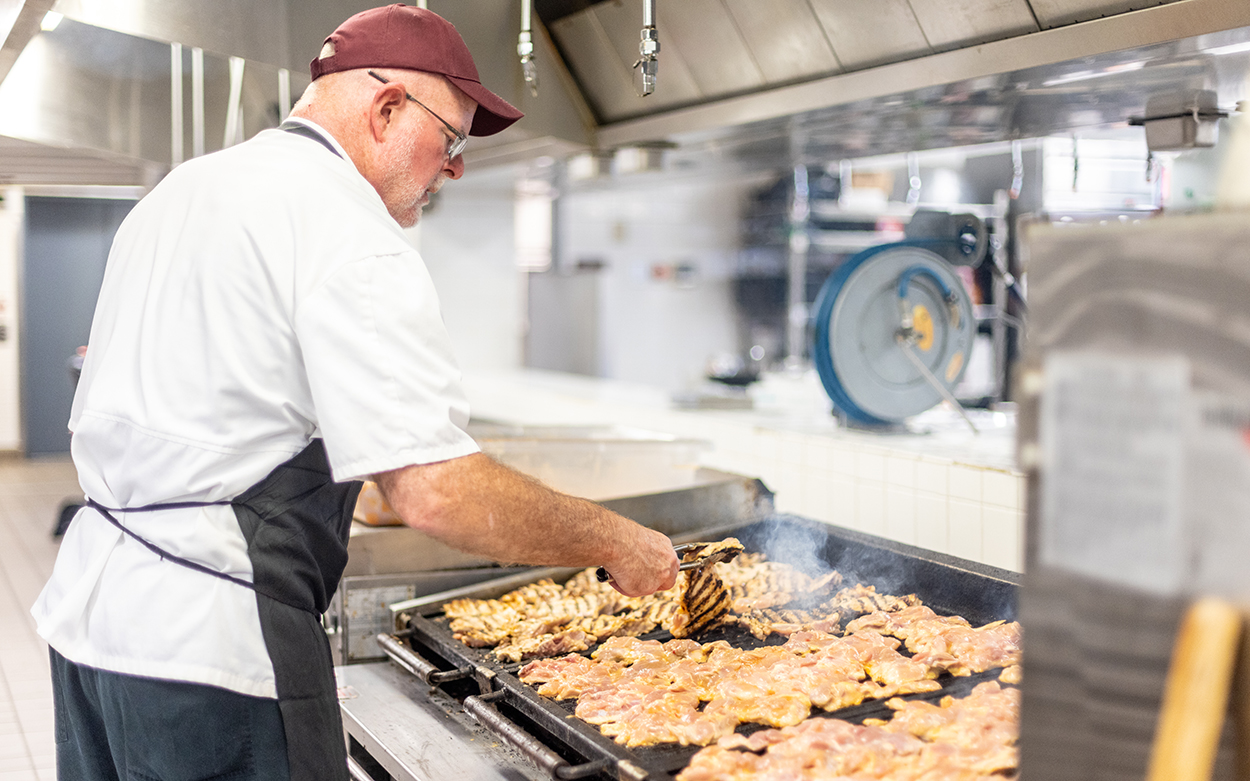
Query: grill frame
point(949, 585)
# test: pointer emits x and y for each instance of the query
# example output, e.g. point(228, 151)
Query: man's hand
point(644, 565)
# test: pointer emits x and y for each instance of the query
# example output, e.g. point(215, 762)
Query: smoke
point(815, 549)
point(799, 546)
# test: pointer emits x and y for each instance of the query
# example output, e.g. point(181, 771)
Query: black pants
point(113, 727)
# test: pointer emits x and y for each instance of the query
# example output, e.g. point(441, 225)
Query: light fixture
point(1178, 120)
point(1127, 67)
point(595, 164)
point(642, 158)
point(50, 20)
point(1232, 48)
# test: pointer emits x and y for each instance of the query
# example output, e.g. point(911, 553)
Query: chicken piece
point(545, 645)
point(704, 599)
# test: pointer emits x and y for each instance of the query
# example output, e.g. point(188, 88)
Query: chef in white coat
point(265, 338)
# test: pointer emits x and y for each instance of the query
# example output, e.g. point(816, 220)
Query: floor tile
point(31, 492)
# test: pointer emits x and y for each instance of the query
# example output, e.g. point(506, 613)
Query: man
point(265, 335)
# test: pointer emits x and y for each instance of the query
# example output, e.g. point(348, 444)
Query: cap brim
point(493, 112)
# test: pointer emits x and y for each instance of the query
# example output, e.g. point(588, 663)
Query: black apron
point(296, 522)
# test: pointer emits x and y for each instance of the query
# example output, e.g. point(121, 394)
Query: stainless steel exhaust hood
point(99, 89)
point(742, 63)
point(742, 77)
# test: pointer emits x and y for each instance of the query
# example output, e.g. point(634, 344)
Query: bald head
point(398, 146)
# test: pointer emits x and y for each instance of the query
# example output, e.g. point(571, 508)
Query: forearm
point(479, 506)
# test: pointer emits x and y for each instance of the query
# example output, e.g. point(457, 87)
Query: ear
point(384, 109)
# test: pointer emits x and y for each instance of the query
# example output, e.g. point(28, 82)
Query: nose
point(454, 168)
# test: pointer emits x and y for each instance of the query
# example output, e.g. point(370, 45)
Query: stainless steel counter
point(417, 733)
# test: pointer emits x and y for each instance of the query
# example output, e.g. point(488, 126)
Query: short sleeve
point(384, 382)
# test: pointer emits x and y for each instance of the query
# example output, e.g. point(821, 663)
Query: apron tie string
point(107, 512)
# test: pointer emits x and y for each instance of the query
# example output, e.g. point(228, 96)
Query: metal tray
point(567, 747)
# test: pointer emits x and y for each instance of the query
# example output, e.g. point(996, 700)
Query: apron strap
point(107, 512)
point(307, 132)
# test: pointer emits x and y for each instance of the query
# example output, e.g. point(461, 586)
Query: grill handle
point(415, 664)
point(481, 708)
point(357, 772)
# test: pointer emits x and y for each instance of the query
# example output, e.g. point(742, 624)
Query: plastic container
point(595, 462)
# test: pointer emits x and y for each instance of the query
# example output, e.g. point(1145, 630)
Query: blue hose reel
point(893, 331)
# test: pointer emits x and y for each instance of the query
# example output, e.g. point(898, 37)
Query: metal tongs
point(604, 577)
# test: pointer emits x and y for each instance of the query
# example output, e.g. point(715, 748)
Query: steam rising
point(814, 552)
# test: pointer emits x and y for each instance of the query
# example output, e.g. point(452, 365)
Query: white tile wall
point(965, 510)
point(965, 483)
point(870, 507)
point(933, 476)
point(842, 506)
point(964, 529)
point(1000, 537)
point(932, 527)
point(900, 515)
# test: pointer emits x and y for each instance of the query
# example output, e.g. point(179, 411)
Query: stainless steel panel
point(1054, 13)
point(360, 608)
point(255, 29)
point(261, 108)
point(621, 24)
point(948, 24)
point(387, 549)
point(865, 34)
point(785, 38)
point(490, 29)
point(80, 86)
point(9, 9)
point(19, 23)
point(600, 72)
point(25, 162)
point(112, 96)
point(260, 31)
point(600, 59)
point(710, 43)
point(417, 733)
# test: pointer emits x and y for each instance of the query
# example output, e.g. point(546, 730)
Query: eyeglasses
point(454, 146)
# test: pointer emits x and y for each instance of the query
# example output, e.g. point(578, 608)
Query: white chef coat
point(256, 298)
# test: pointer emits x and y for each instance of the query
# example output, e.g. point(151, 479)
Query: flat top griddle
point(567, 747)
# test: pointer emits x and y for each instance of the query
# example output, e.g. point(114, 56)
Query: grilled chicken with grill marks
point(776, 585)
point(704, 600)
point(465, 608)
point(865, 599)
point(556, 644)
point(477, 631)
point(699, 603)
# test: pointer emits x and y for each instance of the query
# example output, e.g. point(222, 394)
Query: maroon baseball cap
point(410, 38)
